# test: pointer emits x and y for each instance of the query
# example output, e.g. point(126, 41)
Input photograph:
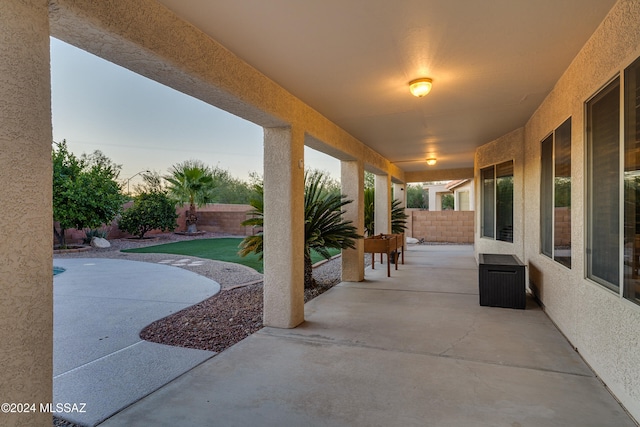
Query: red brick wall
point(442, 226)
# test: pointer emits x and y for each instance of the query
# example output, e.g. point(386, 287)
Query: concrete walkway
point(415, 349)
point(100, 307)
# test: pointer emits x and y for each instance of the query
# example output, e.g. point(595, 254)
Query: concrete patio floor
point(415, 349)
point(100, 307)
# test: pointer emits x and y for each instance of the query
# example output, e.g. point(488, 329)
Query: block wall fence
point(215, 218)
point(441, 226)
point(433, 226)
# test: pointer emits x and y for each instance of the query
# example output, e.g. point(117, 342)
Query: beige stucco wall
point(284, 228)
point(26, 301)
point(352, 178)
point(604, 328)
point(503, 149)
point(438, 175)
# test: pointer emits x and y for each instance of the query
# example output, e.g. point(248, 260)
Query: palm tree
point(324, 227)
point(253, 244)
point(398, 217)
point(191, 182)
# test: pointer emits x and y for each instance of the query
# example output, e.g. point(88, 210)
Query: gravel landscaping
point(217, 322)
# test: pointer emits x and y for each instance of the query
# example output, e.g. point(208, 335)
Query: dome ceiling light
point(431, 161)
point(420, 87)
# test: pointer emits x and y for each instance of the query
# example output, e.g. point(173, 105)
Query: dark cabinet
point(502, 281)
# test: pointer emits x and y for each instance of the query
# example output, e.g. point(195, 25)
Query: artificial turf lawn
point(224, 249)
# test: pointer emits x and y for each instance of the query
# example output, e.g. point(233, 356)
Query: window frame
point(550, 146)
point(615, 83)
point(492, 173)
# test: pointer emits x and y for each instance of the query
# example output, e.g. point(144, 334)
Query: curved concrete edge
point(100, 307)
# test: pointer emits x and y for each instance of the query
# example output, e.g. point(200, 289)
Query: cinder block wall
point(442, 226)
point(562, 232)
point(220, 218)
point(215, 218)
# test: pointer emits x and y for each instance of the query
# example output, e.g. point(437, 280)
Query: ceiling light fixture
point(420, 87)
point(431, 161)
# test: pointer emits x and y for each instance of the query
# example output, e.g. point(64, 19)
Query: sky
point(143, 125)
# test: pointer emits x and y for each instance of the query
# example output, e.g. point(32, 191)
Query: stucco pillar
point(399, 193)
point(382, 204)
point(352, 181)
point(435, 201)
point(283, 227)
point(26, 302)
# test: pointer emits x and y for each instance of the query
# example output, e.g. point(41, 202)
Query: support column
point(399, 193)
point(283, 227)
point(352, 181)
point(435, 202)
point(383, 204)
point(26, 305)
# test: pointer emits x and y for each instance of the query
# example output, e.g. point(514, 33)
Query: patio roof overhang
point(348, 67)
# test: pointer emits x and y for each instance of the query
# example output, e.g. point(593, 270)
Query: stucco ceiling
point(492, 63)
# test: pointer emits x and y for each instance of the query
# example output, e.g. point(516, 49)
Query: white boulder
point(100, 243)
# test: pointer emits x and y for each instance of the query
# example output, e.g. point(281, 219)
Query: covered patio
point(415, 349)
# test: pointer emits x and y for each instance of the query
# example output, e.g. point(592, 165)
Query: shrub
point(90, 234)
point(150, 211)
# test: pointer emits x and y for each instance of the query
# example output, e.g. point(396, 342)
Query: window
point(555, 192)
point(631, 288)
point(603, 195)
point(488, 201)
point(497, 201)
point(613, 185)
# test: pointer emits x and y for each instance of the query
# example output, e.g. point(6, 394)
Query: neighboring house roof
point(455, 184)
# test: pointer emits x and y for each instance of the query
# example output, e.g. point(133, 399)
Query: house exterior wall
point(26, 317)
point(503, 149)
point(602, 326)
point(435, 196)
point(457, 192)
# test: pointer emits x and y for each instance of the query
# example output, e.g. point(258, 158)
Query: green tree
point(150, 211)
point(86, 193)
point(152, 182)
point(254, 243)
point(447, 202)
point(191, 182)
point(324, 226)
point(229, 189)
point(416, 196)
